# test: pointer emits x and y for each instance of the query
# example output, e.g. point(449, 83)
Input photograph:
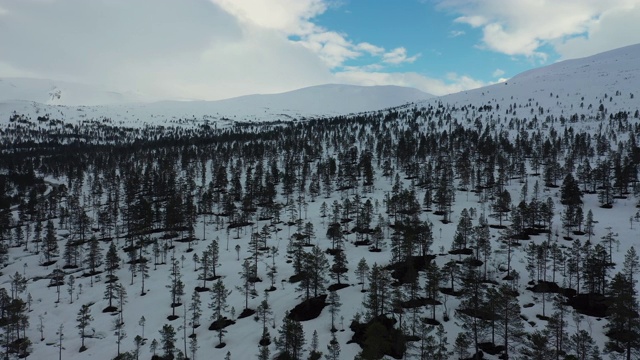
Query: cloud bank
point(572, 28)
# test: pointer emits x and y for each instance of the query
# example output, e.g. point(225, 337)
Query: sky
point(216, 49)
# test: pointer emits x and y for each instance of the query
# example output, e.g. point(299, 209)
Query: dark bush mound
point(482, 314)
point(590, 304)
point(202, 289)
point(336, 287)
point(362, 243)
point(110, 309)
point(308, 309)
point(546, 287)
point(239, 224)
point(461, 252)
point(534, 231)
point(296, 278)
point(91, 273)
point(491, 348)
point(400, 270)
point(246, 313)
point(473, 262)
point(221, 324)
point(450, 291)
point(362, 230)
point(430, 321)
point(521, 236)
point(418, 302)
point(378, 337)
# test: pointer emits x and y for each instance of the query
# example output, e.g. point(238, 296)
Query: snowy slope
point(561, 88)
point(62, 93)
point(311, 102)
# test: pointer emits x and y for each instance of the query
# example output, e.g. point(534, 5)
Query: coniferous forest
point(427, 231)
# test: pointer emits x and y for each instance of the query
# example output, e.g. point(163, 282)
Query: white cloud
point(523, 27)
point(369, 48)
point(614, 28)
point(456, 33)
point(289, 16)
point(454, 83)
point(497, 73)
point(333, 48)
point(163, 48)
point(475, 20)
point(294, 18)
point(398, 56)
point(206, 49)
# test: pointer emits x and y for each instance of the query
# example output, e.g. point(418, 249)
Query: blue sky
point(214, 49)
point(439, 44)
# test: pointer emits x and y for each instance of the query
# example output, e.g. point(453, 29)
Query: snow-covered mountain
point(52, 92)
point(311, 102)
point(562, 86)
point(330, 98)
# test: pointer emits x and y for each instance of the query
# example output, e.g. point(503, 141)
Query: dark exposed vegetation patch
point(308, 309)
point(379, 337)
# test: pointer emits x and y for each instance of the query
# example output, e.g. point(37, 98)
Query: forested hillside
point(462, 225)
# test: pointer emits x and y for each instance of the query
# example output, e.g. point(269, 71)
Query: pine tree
point(361, 271)
point(314, 354)
point(623, 328)
point(583, 346)
point(168, 340)
point(50, 247)
point(536, 347)
point(508, 314)
point(84, 318)
point(334, 307)
point(119, 332)
point(339, 266)
point(471, 312)
point(263, 314)
point(291, 339)
point(71, 285)
point(94, 256)
point(193, 347)
point(143, 269)
point(112, 261)
point(194, 310)
point(333, 349)
point(248, 275)
point(377, 298)
point(315, 267)
point(218, 305)
point(570, 194)
point(121, 292)
point(176, 286)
